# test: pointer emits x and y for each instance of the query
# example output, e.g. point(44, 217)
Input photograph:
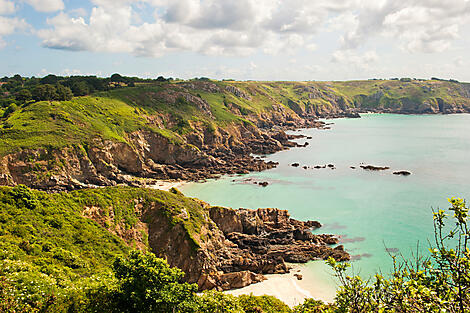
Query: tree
point(45, 92)
point(63, 93)
point(148, 284)
point(116, 78)
point(18, 77)
point(24, 95)
point(49, 79)
point(80, 88)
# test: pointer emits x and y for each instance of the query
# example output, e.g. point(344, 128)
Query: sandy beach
point(167, 184)
point(289, 289)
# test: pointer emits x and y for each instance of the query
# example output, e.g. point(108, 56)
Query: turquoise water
point(370, 210)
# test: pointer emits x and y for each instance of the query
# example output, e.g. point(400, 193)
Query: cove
point(375, 212)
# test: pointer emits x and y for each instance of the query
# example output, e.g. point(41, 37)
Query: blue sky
point(240, 39)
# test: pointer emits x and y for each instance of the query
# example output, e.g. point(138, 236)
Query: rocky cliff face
point(236, 247)
point(146, 155)
point(257, 115)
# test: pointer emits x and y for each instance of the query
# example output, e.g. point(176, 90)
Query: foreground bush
point(439, 283)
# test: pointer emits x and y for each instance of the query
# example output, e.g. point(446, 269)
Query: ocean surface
point(375, 213)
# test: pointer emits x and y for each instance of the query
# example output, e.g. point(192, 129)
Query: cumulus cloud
point(214, 27)
point(420, 25)
point(353, 58)
point(7, 7)
point(46, 5)
point(242, 27)
point(10, 25)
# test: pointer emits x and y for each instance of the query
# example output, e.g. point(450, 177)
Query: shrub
point(24, 196)
point(11, 108)
point(148, 284)
point(263, 304)
point(218, 302)
point(437, 284)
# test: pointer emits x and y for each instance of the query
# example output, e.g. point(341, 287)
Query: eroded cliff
point(189, 130)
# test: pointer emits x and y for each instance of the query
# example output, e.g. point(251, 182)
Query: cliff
point(189, 130)
point(77, 234)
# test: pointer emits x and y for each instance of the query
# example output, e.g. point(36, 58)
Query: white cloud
point(243, 27)
point(7, 7)
point(311, 47)
point(9, 26)
point(420, 25)
point(46, 5)
point(353, 58)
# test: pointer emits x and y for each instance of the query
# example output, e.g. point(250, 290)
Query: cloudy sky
point(240, 39)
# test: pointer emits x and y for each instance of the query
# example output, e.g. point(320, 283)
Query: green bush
point(263, 304)
point(218, 302)
point(148, 284)
point(440, 283)
point(11, 108)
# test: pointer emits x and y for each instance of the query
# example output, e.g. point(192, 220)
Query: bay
point(374, 212)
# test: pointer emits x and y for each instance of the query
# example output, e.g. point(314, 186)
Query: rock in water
point(402, 173)
point(374, 168)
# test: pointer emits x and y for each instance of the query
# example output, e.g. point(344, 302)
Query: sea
point(376, 214)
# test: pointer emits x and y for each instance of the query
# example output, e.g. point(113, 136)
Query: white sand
point(289, 289)
point(167, 184)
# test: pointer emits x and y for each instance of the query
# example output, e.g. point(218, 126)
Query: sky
point(237, 39)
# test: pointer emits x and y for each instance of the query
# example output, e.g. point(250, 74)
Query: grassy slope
point(44, 238)
point(113, 114)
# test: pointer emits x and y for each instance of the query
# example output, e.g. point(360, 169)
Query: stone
point(402, 173)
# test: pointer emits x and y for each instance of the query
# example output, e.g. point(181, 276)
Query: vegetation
point(54, 112)
point(53, 259)
point(48, 248)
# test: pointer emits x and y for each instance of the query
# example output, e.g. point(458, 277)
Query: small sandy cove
point(289, 289)
point(167, 184)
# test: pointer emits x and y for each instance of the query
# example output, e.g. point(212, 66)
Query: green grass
point(45, 237)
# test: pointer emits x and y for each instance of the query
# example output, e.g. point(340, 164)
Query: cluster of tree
point(20, 90)
point(407, 79)
point(445, 80)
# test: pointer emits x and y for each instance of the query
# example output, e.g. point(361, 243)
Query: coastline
point(315, 283)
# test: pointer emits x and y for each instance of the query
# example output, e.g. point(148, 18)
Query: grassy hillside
point(172, 108)
point(47, 245)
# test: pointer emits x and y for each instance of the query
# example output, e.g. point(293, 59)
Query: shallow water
point(373, 211)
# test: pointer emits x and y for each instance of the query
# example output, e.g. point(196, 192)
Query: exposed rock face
point(207, 152)
point(236, 247)
point(147, 155)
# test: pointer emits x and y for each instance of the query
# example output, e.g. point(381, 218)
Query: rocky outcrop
point(402, 173)
point(374, 168)
point(236, 247)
